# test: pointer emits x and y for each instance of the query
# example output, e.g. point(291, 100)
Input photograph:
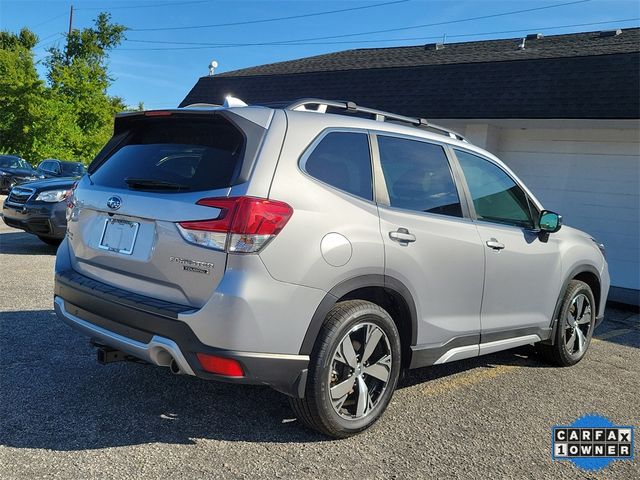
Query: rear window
point(72, 169)
point(342, 160)
point(194, 154)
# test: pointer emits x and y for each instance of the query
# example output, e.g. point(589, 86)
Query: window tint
point(342, 160)
point(192, 154)
point(418, 176)
point(8, 161)
point(496, 197)
point(72, 169)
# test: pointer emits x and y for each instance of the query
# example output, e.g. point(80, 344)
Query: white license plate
point(119, 236)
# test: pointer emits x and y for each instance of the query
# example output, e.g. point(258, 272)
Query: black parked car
point(14, 170)
point(58, 168)
point(40, 208)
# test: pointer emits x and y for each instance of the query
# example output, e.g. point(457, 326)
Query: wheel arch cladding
point(387, 292)
point(591, 279)
point(585, 273)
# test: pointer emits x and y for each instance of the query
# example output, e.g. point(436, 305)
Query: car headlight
point(600, 247)
point(52, 196)
point(4, 174)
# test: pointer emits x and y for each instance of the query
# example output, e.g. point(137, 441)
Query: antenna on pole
point(212, 67)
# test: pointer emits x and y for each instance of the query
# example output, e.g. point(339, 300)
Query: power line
point(52, 41)
point(266, 20)
point(448, 22)
point(482, 17)
point(50, 20)
point(48, 37)
point(155, 5)
point(229, 45)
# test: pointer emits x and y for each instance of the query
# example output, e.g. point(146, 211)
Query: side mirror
point(550, 222)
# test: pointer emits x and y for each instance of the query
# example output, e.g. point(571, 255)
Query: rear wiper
point(151, 184)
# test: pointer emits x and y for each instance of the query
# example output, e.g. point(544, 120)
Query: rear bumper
point(150, 330)
point(159, 350)
point(47, 219)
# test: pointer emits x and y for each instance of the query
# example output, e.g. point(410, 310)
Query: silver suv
point(318, 248)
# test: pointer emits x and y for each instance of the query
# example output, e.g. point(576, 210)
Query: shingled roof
point(582, 75)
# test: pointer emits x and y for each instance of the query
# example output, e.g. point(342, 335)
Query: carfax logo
point(592, 442)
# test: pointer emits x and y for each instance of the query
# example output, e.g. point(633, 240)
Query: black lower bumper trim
point(140, 318)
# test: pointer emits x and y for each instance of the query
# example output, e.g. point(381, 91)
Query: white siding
point(592, 178)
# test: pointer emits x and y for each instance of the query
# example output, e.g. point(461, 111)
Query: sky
point(161, 60)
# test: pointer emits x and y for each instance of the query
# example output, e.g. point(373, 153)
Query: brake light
point(220, 365)
point(70, 199)
point(244, 224)
point(157, 113)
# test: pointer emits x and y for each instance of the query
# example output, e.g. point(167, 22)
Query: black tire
point(51, 241)
point(560, 353)
point(316, 409)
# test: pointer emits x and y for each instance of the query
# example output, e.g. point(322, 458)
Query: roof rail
point(379, 115)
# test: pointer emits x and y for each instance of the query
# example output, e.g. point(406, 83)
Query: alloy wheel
point(579, 318)
point(360, 371)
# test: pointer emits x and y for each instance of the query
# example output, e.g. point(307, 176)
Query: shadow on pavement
point(54, 395)
point(20, 243)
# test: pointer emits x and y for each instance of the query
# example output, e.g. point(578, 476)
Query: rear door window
point(189, 154)
point(342, 160)
point(418, 176)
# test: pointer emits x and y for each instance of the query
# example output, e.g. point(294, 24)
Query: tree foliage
point(70, 116)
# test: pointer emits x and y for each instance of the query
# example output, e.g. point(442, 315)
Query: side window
point(41, 167)
point(418, 176)
point(496, 197)
point(342, 160)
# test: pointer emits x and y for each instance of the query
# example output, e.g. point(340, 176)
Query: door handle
point(402, 235)
point(495, 244)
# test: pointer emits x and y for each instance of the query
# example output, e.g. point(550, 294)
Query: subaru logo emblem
point(114, 203)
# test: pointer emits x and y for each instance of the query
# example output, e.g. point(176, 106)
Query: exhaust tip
point(174, 367)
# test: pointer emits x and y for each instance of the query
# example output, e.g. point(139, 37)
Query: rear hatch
point(123, 227)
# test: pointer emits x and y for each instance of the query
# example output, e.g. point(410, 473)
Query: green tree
point(78, 75)
point(69, 117)
point(20, 91)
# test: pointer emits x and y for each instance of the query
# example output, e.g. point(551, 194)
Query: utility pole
point(70, 19)
point(69, 35)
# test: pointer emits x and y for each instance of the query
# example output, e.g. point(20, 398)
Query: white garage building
point(563, 112)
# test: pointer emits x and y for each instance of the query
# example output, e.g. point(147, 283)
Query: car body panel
point(319, 210)
point(467, 299)
point(443, 268)
point(45, 219)
point(522, 280)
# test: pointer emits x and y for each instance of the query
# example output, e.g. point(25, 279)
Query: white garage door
point(592, 178)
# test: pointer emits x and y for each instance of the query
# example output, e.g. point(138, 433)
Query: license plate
point(119, 236)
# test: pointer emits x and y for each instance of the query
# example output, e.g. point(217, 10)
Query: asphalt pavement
point(62, 415)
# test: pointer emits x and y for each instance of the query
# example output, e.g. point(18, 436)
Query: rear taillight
point(244, 224)
point(220, 365)
point(69, 195)
point(71, 201)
